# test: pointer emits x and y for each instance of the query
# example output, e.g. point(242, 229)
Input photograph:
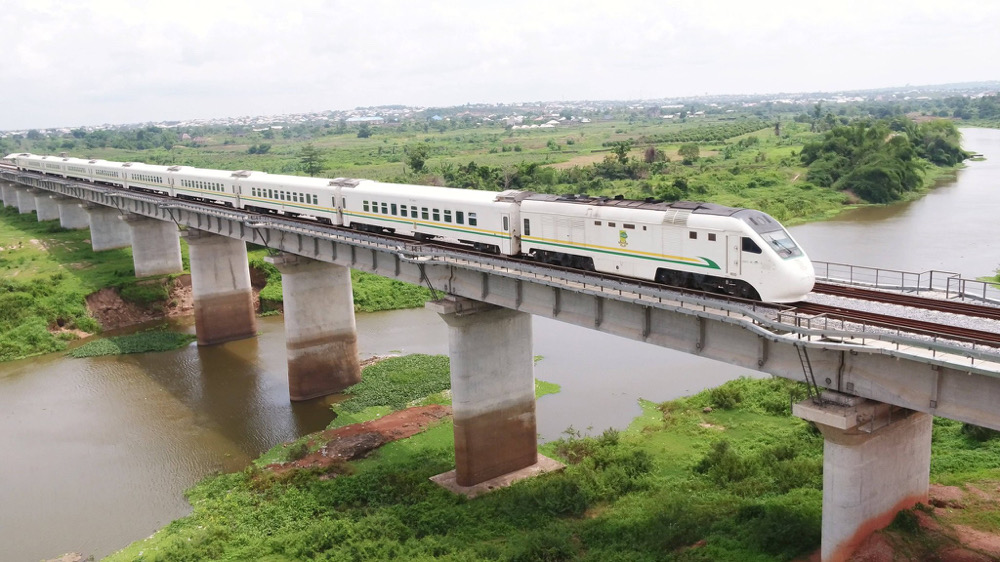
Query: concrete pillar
point(220, 283)
point(9, 193)
point(107, 231)
point(47, 209)
point(876, 462)
point(492, 389)
point(156, 246)
point(320, 334)
point(71, 214)
point(25, 200)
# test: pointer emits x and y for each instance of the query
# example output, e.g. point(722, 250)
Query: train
point(703, 246)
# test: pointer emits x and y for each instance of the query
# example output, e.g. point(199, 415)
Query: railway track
point(904, 324)
point(954, 307)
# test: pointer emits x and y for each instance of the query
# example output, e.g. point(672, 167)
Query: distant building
point(365, 119)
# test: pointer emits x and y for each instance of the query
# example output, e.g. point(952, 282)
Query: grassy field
point(725, 475)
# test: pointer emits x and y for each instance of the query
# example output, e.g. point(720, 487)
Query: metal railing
point(951, 284)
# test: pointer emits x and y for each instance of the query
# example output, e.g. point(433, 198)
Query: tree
point(364, 131)
point(416, 157)
point(310, 158)
point(620, 150)
point(689, 152)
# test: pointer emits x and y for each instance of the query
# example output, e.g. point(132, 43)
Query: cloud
point(117, 61)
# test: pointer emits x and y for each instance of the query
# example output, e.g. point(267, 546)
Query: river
point(98, 452)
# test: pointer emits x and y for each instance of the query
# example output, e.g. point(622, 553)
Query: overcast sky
point(103, 61)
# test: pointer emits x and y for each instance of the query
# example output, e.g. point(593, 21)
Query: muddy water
point(97, 452)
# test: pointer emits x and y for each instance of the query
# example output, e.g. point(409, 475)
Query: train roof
point(696, 207)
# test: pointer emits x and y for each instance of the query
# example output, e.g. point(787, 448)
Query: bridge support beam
point(320, 332)
point(492, 389)
point(107, 231)
point(25, 200)
point(71, 214)
point(156, 246)
point(876, 462)
point(220, 283)
point(46, 207)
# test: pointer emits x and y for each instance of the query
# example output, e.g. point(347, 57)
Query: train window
point(693, 235)
point(295, 197)
point(447, 215)
point(393, 207)
point(611, 224)
point(333, 201)
point(711, 237)
point(597, 223)
point(629, 226)
point(270, 194)
point(750, 246)
point(402, 210)
point(460, 217)
point(644, 227)
point(436, 213)
point(315, 199)
point(423, 213)
point(527, 226)
point(385, 209)
point(473, 221)
point(364, 205)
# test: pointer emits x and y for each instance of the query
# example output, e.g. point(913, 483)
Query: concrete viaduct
point(883, 389)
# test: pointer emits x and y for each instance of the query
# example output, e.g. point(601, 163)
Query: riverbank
point(726, 474)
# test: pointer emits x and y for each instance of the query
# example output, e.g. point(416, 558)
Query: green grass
point(726, 474)
point(144, 342)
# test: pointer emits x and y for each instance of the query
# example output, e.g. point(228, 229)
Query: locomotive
point(704, 246)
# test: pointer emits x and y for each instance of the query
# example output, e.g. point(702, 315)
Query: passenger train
point(740, 252)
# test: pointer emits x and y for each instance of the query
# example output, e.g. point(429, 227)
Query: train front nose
point(797, 280)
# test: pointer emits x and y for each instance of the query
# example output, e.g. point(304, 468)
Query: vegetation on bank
point(726, 474)
point(143, 342)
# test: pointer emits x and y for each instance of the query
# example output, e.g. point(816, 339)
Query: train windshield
point(782, 243)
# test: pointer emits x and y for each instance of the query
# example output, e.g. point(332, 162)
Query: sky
point(91, 62)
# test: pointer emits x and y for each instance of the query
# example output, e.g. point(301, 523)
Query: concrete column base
point(220, 284)
point(71, 214)
point(25, 200)
point(46, 207)
point(156, 246)
point(492, 389)
point(107, 231)
point(876, 462)
point(320, 331)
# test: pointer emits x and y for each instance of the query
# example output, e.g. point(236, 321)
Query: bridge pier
point(876, 462)
point(71, 214)
point(9, 193)
point(156, 246)
point(25, 200)
point(320, 331)
point(47, 209)
point(107, 231)
point(220, 283)
point(492, 389)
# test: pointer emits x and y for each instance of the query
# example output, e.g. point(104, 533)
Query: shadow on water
point(238, 389)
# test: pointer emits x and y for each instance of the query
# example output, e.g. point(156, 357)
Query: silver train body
point(741, 252)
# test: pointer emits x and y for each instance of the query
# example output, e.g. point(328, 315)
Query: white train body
point(483, 219)
point(741, 252)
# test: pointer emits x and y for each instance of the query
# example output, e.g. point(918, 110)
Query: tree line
point(880, 160)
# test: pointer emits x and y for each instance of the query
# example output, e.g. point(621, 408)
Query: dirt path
point(357, 440)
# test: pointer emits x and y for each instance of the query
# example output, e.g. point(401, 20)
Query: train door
point(733, 254)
